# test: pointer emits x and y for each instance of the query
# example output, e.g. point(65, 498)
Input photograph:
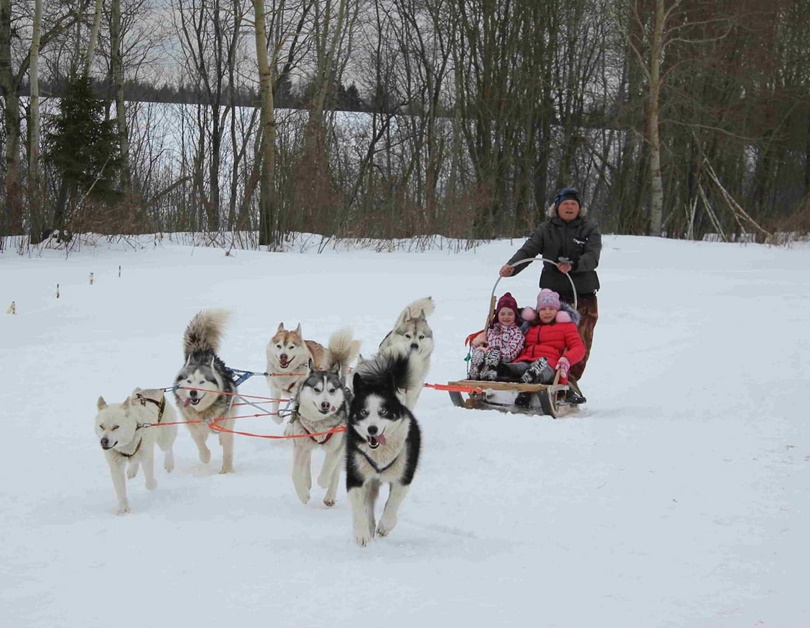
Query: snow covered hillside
point(679, 496)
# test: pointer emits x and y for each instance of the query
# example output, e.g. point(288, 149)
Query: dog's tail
point(343, 349)
point(388, 368)
point(204, 332)
point(421, 308)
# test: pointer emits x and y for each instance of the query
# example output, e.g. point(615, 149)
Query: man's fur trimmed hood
point(552, 211)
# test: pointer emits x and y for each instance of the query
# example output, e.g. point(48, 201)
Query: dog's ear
point(391, 384)
point(101, 404)
point(212, 361)
point(298, 329)
point(126, 404)
point(357, 384)
point(311, 364)
point(280, 327)
point(335, 367)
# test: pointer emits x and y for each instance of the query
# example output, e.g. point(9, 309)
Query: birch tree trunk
point(118, 85)
point(34, 132)
point(268, 219)
point(656, 182)
point(91, 45)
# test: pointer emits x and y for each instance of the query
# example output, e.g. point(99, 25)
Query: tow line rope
point(214, 424)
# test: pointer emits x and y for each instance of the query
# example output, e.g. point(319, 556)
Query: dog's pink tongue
point(187, 402)
point(381, 439)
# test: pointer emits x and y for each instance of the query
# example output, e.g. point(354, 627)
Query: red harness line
point(455, 388)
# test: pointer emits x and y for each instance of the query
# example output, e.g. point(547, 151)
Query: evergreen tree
point(82, 146)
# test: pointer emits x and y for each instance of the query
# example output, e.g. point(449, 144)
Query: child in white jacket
point(501, 342)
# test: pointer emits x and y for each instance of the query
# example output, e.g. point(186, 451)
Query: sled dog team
point(382, 441)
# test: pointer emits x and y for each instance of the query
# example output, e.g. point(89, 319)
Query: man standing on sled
point(574, 242)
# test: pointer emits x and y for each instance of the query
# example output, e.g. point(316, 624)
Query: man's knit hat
point(507, 300)
point(548, 298)
point(567, 194)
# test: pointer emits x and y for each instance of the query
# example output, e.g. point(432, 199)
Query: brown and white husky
point(290, 357)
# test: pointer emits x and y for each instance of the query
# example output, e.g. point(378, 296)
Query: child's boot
point(538, 371)
point(476, 362)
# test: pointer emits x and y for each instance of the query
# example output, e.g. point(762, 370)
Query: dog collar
point(133, 453)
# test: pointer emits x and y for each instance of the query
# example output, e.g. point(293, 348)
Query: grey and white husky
point(383, 443)
point(206, 387)
point(321, 405)
point(412, 336)
point(127, 432)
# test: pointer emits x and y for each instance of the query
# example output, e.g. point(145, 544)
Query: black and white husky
point(206, 388)
point(321, 405)
point(383, 442)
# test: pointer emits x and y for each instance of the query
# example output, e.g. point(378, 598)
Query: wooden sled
point(545, 399)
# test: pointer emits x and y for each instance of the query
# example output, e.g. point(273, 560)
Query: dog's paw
point(205, 455)
point(151, 485)
point(303, 496)
point(328, 502)
point(384, 528)
point(168, 466)
point(122, 509)
point(226, 469)
point(362, 539)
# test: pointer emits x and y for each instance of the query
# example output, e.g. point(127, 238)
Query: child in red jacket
point(552, 342)
point(501, 342)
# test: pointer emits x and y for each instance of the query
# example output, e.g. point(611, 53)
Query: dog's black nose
point(325, 405)
point(372, 429)
point(192, 393)
point(283, 357)
point(414, 346)
point(105, 442)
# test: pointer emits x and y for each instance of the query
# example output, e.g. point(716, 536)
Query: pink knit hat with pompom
point(548, 298)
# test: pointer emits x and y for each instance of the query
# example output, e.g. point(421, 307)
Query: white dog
point(128, 432)
point(413, 337)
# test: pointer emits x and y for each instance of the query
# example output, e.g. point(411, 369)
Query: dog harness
point(374, 465)
point(297, 417)
point(319, 442)
point(161, 408)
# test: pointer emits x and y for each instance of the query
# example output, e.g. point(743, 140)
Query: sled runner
point(511, 396)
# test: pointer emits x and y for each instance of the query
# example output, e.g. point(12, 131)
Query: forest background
point(252, 120)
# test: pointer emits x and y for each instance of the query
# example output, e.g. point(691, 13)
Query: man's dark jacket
point(579, 240)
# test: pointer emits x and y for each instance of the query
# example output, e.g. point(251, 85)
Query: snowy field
point(679, 496)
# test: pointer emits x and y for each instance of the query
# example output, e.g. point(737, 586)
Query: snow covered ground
point(680, 495)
